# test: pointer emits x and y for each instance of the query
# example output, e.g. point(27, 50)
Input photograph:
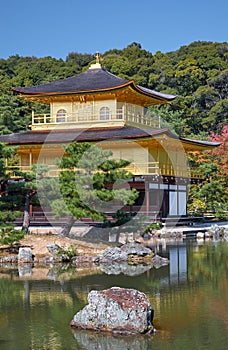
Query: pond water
point(189, 297)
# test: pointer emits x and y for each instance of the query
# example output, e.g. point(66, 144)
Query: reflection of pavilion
point(177, 255)
point(178, 264)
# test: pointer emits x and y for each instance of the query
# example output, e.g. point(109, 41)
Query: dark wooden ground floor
point(161, 198)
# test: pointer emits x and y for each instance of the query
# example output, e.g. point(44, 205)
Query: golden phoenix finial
point(98, 57)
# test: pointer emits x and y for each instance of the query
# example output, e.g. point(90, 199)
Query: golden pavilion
point(99, 107)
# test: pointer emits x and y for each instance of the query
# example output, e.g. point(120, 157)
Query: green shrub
point(68, 253)
point(221, 214)
point(10, 236)
point(153, 226)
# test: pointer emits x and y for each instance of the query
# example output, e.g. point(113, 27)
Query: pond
point(189, 297)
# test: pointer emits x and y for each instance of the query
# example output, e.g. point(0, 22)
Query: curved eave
point(198, 145)
point(151, 97)
point(154, 94)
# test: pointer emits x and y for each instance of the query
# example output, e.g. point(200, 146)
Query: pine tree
point(9, 201)
point(91, 184)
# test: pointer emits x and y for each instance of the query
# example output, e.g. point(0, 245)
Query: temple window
point(104, 113)
point(61, 116)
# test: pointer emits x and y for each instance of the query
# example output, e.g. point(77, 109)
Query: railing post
point(32, 117)
point(30, 159)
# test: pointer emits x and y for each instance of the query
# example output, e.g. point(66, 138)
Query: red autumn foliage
point(220, 154)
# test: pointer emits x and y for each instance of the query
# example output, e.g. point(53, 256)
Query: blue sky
point(57, 27)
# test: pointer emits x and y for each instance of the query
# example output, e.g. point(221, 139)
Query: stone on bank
point(25, 255)
point(119, 310)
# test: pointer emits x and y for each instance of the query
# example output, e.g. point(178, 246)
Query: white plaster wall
point(56, 106)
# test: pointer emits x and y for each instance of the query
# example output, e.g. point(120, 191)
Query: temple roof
point(90, 81)
point(91, 134)
point(96, 135)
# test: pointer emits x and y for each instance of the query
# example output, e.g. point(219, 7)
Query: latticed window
point(61, 116)
point(104, 113)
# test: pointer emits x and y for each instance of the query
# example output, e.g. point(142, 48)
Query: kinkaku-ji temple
point(99, 107)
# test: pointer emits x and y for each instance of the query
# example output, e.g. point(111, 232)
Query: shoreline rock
point(25, 255)
point(133, 253)
point(129, 251)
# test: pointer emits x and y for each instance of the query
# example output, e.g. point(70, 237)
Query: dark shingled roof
point(81, 135)
point(94, 79)
point(90, 135)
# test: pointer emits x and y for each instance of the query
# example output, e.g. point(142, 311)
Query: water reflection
point(25, 270)
point(189, 297)
point(101, 341)
point(116, 268)
point(178, 264)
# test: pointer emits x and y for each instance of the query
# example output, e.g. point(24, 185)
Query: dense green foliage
point(10, 201)
point(197, 73)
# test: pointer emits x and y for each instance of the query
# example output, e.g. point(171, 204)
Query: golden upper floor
point(71, 115)
point(94, 98)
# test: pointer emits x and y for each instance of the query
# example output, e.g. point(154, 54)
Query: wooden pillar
point(30, 158)
point(147, 197)
point(93, 111)
point(30, 210)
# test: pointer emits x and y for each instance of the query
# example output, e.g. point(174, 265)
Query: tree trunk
point(26, 215)
point(67, 226)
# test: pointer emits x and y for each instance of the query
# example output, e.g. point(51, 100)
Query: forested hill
point(197, 73)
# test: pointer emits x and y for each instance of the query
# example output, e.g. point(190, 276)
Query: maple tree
point(212, 193)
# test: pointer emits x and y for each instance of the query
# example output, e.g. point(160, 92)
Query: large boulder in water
point(119, 310)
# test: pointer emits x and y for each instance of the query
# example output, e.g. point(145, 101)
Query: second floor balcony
point(105, 117)
point(139, 169)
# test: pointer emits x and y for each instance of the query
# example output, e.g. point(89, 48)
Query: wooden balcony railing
point(78, 118)
point(150, 168)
